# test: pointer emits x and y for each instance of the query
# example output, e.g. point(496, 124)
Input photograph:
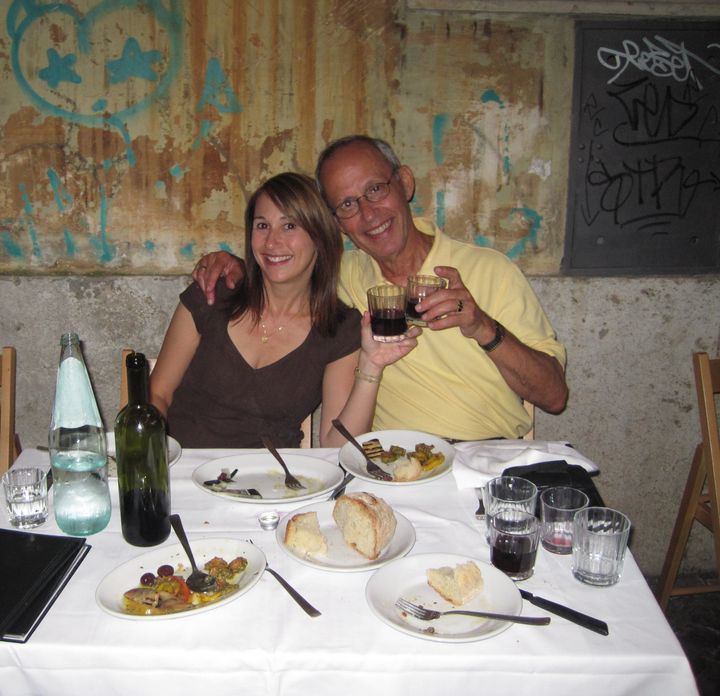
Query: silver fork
point(309, 609)
point(372, 468)
point(290, 480)
point(420, 612)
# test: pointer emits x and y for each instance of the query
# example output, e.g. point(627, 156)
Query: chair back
point(9, 441)
point(701, 497)
point(530, 408)
point(306, 425)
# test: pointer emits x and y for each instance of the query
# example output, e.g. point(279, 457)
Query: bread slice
point(304, 536)
point(367, 523)
point(457, 585)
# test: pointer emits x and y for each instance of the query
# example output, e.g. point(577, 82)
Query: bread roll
point(407, 469)
point(303, 534)
point(457, 585)
point(367, 523)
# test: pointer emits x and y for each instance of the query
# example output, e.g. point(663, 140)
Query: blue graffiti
point(59, 69)
point(105, 252)
point(134, 62)
point(535, 220)
point(28, 210)
point(490, 95)
point(439, 126)
point(23, 14)
point(440, 208)
point(217, 91)
point(10, 246)
point(70, 247)
point(177, 171)
point(62, 197)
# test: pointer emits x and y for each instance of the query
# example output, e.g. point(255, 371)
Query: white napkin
point(478, 462)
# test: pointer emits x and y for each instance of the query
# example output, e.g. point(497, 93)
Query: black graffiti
point(641, 192)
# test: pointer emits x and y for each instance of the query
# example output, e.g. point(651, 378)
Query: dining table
point(262, 642)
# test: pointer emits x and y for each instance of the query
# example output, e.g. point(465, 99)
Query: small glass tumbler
point(26, 496)
point(558, 506)
point(600, 537)
point(418, 288)
point(386, 304)
point(508, 492)
point(514, 536)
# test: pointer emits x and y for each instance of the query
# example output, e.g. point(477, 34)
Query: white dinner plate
point(406, 578)
point(109, 594)
point(174, 452)
point(261, 472)
point(341, 557)
point(354, 462)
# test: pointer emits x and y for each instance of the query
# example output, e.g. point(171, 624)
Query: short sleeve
point(204, 315)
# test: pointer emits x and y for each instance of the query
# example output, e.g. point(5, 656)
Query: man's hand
point(455, 306)
point(533, 375)
point(215, 265)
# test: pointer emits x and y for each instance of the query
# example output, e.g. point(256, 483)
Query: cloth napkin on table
point(478, 462)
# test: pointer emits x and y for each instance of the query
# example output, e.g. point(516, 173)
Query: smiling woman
point(268, 352)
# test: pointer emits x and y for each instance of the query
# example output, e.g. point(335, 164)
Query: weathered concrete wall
point(632, 405)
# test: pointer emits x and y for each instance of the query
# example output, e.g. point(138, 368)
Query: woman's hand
point(375, 355)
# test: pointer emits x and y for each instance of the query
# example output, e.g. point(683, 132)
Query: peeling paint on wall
point(133, 131)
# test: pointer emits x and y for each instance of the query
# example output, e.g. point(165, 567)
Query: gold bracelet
point(359, 374)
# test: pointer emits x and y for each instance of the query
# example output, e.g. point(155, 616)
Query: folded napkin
point(478, 462)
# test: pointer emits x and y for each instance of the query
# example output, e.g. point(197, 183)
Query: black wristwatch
point(499, 337)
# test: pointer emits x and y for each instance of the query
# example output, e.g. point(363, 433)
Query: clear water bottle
point(78, 452)
point(142, 462)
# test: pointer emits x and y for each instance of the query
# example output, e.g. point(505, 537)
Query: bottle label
point(74, 401)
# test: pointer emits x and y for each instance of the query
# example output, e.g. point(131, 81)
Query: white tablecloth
point(263, 643)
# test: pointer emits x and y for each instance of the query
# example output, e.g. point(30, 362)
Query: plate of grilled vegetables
point(408, 456)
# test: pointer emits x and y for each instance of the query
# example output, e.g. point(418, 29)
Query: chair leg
point(681, 530)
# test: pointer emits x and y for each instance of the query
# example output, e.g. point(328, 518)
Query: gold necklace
point(265, 335)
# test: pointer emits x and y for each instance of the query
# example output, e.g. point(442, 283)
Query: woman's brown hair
point(299, 199)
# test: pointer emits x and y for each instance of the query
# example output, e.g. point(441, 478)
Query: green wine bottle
point(142, 462)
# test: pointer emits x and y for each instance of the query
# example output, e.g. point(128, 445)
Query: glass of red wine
point(387, 313)
point(514, 537)
point(418, 288)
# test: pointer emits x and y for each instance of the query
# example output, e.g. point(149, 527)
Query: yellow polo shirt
point(447, 385)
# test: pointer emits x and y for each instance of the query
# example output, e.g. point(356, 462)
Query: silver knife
point(341, 487)
point(577, 617)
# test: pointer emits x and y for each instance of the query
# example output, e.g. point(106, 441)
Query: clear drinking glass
point(512, 492)
point(26, 496)
point(418, 288)
point(386, 304)
point(558, 506)
point(600, 537)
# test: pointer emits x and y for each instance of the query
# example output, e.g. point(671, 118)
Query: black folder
point(35, 569)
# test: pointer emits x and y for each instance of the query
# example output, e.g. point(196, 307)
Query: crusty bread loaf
point(303, 534)
point(457, 585)
point(367, 523)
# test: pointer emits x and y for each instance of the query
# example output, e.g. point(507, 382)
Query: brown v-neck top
point(224, 402)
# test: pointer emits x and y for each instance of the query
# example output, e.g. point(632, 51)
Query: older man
point(488, 346)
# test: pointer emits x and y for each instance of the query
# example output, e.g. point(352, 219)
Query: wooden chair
point(702, 490)
point(9, 440)
point(530, 408)
point(306, 425)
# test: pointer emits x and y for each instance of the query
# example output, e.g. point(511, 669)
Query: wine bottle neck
point(137, 386)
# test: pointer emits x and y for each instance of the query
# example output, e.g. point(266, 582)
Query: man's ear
point(407, 179)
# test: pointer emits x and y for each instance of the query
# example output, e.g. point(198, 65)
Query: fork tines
point(416, 610)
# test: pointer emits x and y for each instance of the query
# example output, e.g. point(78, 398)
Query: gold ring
point(459, 306)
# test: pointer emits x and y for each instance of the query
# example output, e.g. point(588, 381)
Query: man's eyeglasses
point(374, 193)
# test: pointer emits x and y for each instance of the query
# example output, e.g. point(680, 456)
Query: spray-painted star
point(59, 69)
point(133, 63)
